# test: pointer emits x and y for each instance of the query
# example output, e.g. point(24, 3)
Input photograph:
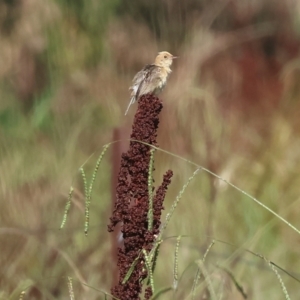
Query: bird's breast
point(163, 82)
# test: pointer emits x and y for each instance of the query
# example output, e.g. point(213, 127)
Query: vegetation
point(231, 106)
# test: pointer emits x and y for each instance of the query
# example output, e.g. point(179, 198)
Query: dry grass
point(251, 144)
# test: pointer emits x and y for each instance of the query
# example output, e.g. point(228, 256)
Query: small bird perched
point(152, 78)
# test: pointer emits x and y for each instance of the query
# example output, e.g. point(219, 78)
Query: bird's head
point(164, 59)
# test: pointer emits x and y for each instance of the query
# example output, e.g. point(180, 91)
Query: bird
point(152, 78)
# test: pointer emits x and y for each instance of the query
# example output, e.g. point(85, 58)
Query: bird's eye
point(165, 56)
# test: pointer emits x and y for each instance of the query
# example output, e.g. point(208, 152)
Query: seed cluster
point(132, 201)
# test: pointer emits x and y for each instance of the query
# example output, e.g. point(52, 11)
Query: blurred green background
point(231, 105)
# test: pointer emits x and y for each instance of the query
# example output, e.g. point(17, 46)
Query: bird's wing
point(141, 75)
point(139, 83)
point(150, 72)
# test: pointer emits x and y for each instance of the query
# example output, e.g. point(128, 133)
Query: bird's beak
point(174, 57)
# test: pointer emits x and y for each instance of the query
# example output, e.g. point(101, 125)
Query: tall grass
point(253, 144)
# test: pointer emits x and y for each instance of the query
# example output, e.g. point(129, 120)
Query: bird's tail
point(132, 100)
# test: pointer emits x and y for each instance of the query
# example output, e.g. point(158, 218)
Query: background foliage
point(231, 105)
